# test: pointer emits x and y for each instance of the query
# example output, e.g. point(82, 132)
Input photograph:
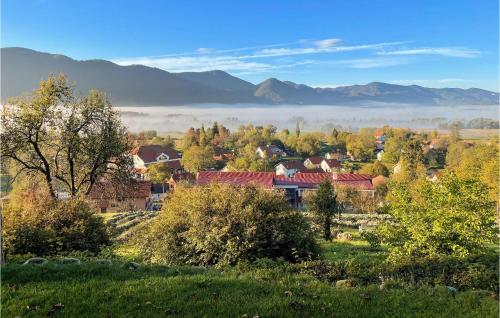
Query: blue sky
point(446, 43)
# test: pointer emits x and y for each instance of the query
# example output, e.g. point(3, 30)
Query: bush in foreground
point(46, 227)
point(451, 217)
point(223, 225)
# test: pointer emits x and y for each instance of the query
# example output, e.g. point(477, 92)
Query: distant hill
point(22, 69)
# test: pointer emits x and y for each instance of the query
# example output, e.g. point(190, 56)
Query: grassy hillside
point(263, 289)
point(158, 291)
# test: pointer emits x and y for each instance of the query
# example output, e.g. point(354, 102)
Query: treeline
point(476, 123)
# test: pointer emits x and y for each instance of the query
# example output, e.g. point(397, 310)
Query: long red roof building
point(299, 180)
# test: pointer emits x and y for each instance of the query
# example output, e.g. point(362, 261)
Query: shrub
point(451, 217)
point(475, 272)
point(372, 238)
point(45, 227)
point(224, 225)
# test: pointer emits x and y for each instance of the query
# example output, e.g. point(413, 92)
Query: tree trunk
point(2, 258)
point(327, 229)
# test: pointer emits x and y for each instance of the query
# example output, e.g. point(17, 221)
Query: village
point(353, 211)
point(279, 168)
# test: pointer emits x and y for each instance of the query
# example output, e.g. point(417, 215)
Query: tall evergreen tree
point(324, 205)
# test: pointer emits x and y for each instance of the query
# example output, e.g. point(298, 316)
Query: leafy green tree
point(190, 139)
point(203, 139)
point(222, 225)
point(308, 145)
point(452, 217)
point(455, 132)
point(159, 173)
point(454, 154)
point(71, 141)
point(198, 158)
point(361, 146)
point(248, 160)
point(478, 162)
point(375, 169)
point(324, 205)
point(396, 138)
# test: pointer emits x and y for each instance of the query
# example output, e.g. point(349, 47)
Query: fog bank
point(179, 118)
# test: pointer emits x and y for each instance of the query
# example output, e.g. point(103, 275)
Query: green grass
point(357, 248)
point(91, 290)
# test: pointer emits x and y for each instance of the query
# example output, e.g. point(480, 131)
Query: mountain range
point(139, 85)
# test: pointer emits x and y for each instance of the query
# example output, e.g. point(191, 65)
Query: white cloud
point(205, 63)
point(236, 63)
point(313, 50)
point(370, 63)
point(443, 51)
point(439, 83)
point(205, 50)
point(195, 64)
point(271, 57)
point(322, 44)
point(333, 85)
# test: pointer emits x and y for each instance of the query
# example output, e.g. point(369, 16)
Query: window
point(162, 157)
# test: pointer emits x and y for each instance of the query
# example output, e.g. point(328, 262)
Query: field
point(468, 134)
point(243, 291)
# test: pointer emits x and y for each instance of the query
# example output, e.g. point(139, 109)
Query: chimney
point(334, 175)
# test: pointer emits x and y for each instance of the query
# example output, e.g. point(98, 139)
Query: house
point(290, 167)
point(331, 165)
point(337, 155)
point(107, 196)
point(313, 162)
point(270, 151)
point(379, 180)
point(264, 179)
point(379, 145)
point(143, 156)
point(222, 155)
point(397, 168)
point(380, 136)
point(434, 175)
point(380, 155)
point(183, 177)
point(438, 143)
point(158, 191)
point(467, 144)
point(294, 186)
point(313, 170)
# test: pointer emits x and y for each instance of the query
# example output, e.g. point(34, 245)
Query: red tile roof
point(304, 180)
point(315, 160)
point(354, 180)
point(264, 179)
point(149, 153)
point(271, 150)
point(313, 170)
point(268, 179)
point(174, 165)
point(293, 164)
point(129, 190)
